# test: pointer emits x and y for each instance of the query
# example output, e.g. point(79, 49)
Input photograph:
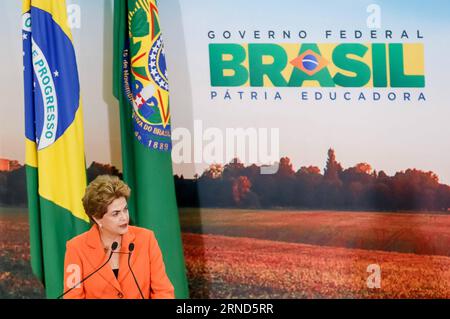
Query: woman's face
point(116, 219)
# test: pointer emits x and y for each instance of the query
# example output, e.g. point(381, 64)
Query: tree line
point(235, 185)
point(355, 188)
point(13, 184)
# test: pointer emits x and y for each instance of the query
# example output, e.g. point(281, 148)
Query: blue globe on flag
point(310, 62)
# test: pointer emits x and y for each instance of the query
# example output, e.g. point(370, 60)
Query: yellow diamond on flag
point(309, 62)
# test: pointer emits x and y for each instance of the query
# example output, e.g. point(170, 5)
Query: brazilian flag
point(55, 164)
point(142, 88)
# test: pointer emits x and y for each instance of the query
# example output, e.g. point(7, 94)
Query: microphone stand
point(113, 247)
point(131, 248)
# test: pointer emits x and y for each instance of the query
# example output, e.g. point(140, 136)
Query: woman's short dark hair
point(101, 192)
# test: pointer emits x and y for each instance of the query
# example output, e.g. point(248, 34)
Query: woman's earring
point(100, 225)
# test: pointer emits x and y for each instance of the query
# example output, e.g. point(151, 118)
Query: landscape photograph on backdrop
point(309, 142)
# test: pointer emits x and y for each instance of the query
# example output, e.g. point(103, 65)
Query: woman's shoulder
point(143, 235)
point(79, 239)
point(141, 231)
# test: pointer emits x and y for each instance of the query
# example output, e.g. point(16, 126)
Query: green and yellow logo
point(376, 65)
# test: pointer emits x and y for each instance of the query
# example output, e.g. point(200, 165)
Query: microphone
point(131, 248)
point(113, 247)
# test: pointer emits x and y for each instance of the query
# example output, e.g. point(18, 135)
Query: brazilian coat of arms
point(145, 76)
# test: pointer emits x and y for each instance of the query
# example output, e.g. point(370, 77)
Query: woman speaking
point(113, 259)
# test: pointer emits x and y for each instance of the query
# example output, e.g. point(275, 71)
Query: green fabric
point(35, 224)
point(51, 226)
point(148, 173)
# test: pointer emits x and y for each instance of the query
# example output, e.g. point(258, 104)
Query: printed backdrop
point(309, 143)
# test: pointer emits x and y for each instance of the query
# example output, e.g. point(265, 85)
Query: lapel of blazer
point(127, 238)
point(96, 257)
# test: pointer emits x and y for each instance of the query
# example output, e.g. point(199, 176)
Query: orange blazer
point(85, 253)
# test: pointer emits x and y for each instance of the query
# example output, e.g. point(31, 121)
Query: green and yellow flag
point(141, 86)
point(55, 164)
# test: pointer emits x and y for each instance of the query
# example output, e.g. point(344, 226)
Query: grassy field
point(426, 234)
point(255, 268)
point(16, 279)
point(282, 254)
point(315, 254)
